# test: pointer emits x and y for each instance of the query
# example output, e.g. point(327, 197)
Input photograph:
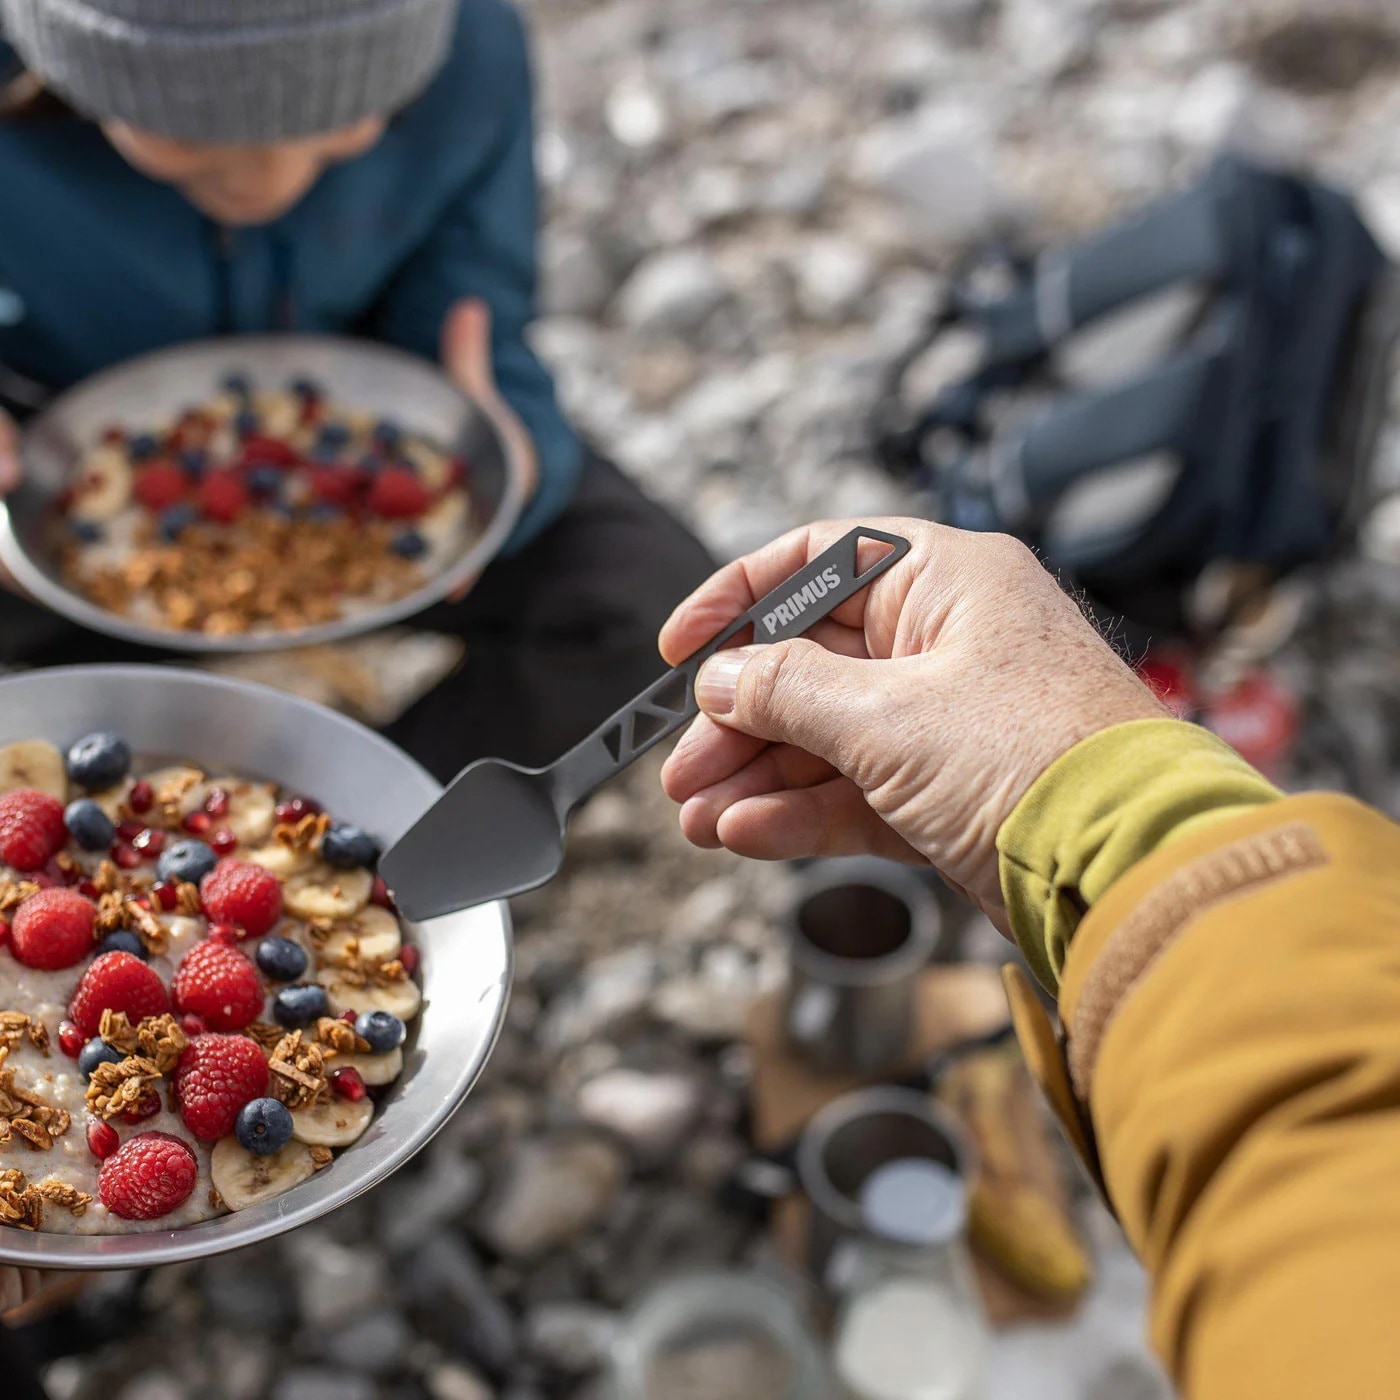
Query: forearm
point(1228, 1003)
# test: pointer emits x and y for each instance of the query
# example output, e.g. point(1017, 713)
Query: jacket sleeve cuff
point(1112, 800)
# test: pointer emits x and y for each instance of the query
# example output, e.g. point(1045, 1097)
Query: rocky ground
point(752, 206)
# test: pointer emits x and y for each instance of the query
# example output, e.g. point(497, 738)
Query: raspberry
point(31, 828)
point(148, 1177)
point(269, 450)
point(220, 985)
point(216, 1076)
point(159, 485)
point(236, 892)
point(397, 494)
point(117, 982)
point(53, 929)
point(223, 496)
point(334, 486)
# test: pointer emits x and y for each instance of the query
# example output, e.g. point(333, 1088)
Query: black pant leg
point(561, 634)
point(18, 1379)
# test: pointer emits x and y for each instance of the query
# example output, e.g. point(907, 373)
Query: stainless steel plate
point(466, 962)
point(359, 374)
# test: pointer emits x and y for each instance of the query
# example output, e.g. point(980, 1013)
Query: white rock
point(411, 1208)
point(575, 275)
point(833, 274)
point(450, 1382)
point(674, 292)
point(334, 1280)
point(571, 1337)
point(651, 1112)
point(636, 113)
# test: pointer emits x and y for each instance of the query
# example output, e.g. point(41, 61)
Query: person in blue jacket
point(176, 169)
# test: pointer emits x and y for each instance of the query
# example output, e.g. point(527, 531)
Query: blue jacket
point(98, 262)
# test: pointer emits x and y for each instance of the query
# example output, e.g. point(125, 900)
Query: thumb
point(794, 692)
point(9, 454)
point(466, 344)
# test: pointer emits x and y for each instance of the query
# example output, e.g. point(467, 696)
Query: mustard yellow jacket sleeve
point(1230, 1003)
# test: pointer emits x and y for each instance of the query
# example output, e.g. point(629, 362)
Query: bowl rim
point(188, 1243)
point(468, 566)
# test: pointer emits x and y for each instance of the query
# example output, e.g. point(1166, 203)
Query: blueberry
point(97, 1052)
point(186, 860)
point(87, 531)
point(348, 847)
point(333, 435)
point(409, 545)
point(239, 385)
point(371, 464)
point(143, 445)
point(300, 1005)
point(305, 388)
point(387, 433)
point(264, 481)
point(382, 1029)
point(263, 1126)
point(123, 941)
point(176, 519)
point(89, 825)
point(326, 452)
point(99, 760)
point(246, 423)
point(194, 462)
point(281, 959)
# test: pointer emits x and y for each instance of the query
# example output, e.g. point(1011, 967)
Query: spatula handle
point(813, 592)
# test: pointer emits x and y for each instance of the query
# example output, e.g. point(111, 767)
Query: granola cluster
point(17, 1026)
point(22, 1201)
point(356, 970)
point(298, 1069)
point(27, 1115)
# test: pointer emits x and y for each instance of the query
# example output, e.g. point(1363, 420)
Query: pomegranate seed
point(70, 1039)
point(166, 895)
point(129, 831)
point(410, 958)
point(293, 809)
point(349, 1017)
point(197, 823)
point(102, 1139)
point(226, 933)
point(347, 1084)
point(147, 1106)
point(150, 843)
point(379, 894)
point(125, 857)
point(192, 1025)
point(4, 932)
point(141, 797)
point(142, 903)
point(88, 889)
point(222, 841)
point(44, 880)
point(217, 802)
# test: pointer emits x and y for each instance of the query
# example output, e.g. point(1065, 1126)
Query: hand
point(906, 725)
point(19, 1286)
point(9, 454)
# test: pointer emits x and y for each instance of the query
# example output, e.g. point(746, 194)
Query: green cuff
point(1098, 810)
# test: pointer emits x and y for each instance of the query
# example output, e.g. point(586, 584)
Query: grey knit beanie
point(232, 71)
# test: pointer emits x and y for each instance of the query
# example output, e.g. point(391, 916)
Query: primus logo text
point(800, 601)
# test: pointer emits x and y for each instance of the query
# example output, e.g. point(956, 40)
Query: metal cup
point(860, 932)
point(849, 1141)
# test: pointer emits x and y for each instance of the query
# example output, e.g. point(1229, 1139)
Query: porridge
point(259, 511)
point(203, 984)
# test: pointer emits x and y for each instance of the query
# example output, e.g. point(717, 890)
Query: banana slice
point(434, 467)
point(282, 860)
point(333, 1122)
point(374, 1069)
point(376, 931)
point(279, 412)
point(250, 809)
point(244, 1179)
point(442, 525)
point(323, 893)
point(104, 485)
point(402, 999)
point(31, 763)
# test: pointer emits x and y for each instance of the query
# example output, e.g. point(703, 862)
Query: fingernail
point(718, 682)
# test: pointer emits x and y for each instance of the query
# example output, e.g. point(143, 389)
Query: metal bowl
point(466, 957)
point(361, 374)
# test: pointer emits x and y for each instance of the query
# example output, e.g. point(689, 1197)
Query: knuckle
point(769, 678)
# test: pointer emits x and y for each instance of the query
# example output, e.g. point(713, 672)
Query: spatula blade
point(493, 834)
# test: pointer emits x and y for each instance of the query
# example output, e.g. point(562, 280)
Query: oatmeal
point(259, 511)
point(203, 985)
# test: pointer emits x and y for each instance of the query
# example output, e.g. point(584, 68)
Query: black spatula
point(498, 830)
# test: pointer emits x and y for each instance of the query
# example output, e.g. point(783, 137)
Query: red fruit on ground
point(117, 982)
point(148, 1177)
point(220, 985)
point(102, 1139)
point(397, 494)
point(31, 828)
point(53, 929)
point(216, 1076)
point(334, 486)
point(223, 496)
point(236, 892)
point(159, 485)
